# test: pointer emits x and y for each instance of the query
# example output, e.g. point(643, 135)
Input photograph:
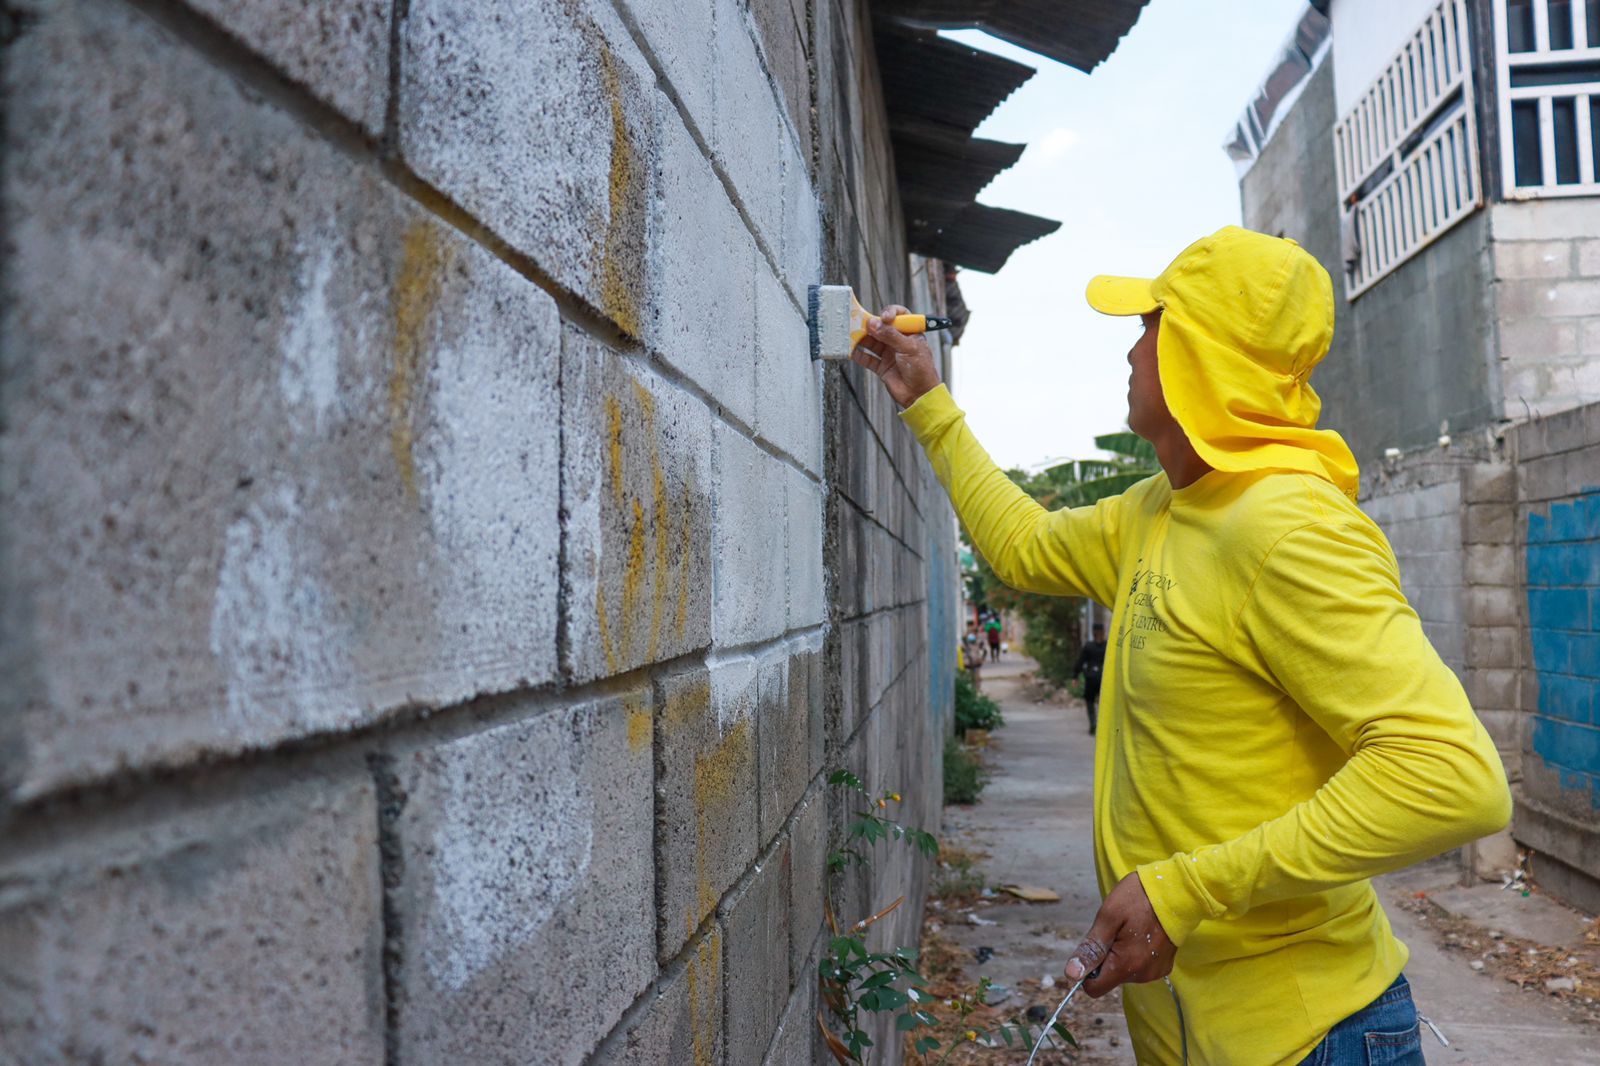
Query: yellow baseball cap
point(1245, 317)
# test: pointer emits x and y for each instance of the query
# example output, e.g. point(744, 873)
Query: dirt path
point(1033, 826)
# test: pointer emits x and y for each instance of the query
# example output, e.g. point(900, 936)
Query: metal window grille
point(1406, 154)
point(1547, 59)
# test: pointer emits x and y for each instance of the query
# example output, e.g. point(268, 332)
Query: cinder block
point(1489, 483)
point(339, 49)
point(755, 968)
point(1437, 605)
point(526, 853)
point(681, 1024)
point(636, 488)
point(749, 123)
point(781, 35)
point(1489, 564)
point(1544, 220)
point(1493, 647)
point(705, 794)
point(747, 567)
point(789, 730)
point(245, 931)
point(1532, 259)
point(1493, 605)
point(1574, 298)
point(1543, 478)
point(1489, 523)
point(1589, 336)
point(788, 382)
point(1534, 340)
point(539, 118)
point(681, 34)
point(278, 448)
point(802, 221)
point(807, 589)
point(808, 849)
point(793, 1043)
point(1589, 258)
point(702, 266)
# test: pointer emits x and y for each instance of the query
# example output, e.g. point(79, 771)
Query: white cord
point(1045, 1034)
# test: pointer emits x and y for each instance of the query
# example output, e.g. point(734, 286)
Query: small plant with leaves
point(855, 980)
point(974, 710)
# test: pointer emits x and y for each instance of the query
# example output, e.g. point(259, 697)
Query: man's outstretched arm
point(1065, 553)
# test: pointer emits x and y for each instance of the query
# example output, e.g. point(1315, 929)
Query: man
point(1091, 661)
point(1278, 728)
point(992, 628)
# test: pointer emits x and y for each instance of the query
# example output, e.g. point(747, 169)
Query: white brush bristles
point(835, 313)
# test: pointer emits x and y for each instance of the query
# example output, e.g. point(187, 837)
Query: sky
point(1130, 159)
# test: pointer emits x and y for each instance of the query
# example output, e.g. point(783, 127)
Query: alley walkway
point(1033, 822)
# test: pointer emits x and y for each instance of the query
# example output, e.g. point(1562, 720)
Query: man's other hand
point(1126, 942)
point(902, 361)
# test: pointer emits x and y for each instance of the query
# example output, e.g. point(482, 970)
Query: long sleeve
point(1071, 552)
point(1326, 623)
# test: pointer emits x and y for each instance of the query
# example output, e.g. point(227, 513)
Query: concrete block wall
point(1547, 304)
point(434, 580)
point(1558, 537)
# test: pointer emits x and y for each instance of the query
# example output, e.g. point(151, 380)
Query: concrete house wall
point(434, 579)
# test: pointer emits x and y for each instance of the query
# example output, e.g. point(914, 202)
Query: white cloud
point(1055, 144)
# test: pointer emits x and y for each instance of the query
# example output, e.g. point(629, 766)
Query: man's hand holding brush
point(903, 361)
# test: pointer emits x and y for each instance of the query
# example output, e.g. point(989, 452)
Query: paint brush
point(838, 321)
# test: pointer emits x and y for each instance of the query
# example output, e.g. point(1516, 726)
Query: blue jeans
point(1383, 1033)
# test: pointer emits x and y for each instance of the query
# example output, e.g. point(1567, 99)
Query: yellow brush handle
point(911, 323)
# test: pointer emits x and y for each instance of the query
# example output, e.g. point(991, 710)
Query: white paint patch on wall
point(733, 689)
point(1366, 35)
point(309, 376)
point(270, 630)
point(502, 870)
point(490, 486)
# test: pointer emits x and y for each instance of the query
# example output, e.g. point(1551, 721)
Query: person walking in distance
point(992, 628)
point(1277, 728)
point(1091, 661)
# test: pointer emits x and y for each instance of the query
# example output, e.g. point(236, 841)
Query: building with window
point(1439, 158)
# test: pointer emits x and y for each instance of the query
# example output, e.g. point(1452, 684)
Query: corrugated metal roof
point(929, 79)
point(1079, 34)
point(938, 91)
point(976, 236)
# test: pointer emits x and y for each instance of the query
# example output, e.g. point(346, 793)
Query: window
point(1547, 59)
point(1406, 154)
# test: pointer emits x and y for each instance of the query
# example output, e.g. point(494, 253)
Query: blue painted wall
point(942, 633)
point(1563, 566)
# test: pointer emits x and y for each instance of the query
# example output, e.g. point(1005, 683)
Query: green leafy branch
point(854, 979)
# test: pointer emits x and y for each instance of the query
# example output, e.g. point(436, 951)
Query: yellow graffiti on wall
point(654, 545)
point(704, 974)
point(620, 275)
point(414, 299)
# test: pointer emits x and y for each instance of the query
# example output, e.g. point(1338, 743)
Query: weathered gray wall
point(433, 577)
point(1414, 351)
point(1558, 542)
point(1547, 303)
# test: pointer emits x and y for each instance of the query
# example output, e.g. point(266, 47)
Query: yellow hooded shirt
point(1275, 728)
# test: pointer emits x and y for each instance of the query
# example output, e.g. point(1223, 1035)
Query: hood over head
point(1244, 319)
